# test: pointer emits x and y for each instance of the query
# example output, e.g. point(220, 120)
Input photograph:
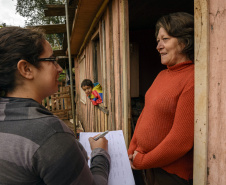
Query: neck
point(24, 92)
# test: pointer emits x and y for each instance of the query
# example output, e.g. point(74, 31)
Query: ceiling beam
point(57, 10)
point(59, 53)
point(52, 29)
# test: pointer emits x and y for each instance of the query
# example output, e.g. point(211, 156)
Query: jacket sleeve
point(63, 160)
point(179, 140)
point(97, 100)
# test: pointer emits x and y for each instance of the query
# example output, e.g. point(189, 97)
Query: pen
point(101, 135)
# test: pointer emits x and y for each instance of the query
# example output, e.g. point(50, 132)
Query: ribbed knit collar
point(180, 66)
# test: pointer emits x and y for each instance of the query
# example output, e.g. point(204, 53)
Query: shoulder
point(41, 129)
point(96, 84)
point(51, 125)
point(97, 87)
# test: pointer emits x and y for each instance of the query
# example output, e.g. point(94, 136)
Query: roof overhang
point(84, 17)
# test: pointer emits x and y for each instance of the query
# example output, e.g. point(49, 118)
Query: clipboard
point(120, 170)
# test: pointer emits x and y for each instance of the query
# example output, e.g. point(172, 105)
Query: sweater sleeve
point(97, 100)
point(62, 160)
point(179, 140)
point(133, 143)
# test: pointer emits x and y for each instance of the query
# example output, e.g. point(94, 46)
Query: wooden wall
point(201, 91)
point(210, 92)
point(217, 94)
point(112, 56)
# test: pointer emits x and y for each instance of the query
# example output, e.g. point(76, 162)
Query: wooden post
point(70, 65)
point(201, 8)
point(112, 77)
point(125, 52)
point(217, 94)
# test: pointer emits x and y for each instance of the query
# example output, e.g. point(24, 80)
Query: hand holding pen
point(99, 141)
point(101, 135)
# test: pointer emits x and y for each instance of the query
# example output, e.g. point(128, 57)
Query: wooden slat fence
point(60, 103)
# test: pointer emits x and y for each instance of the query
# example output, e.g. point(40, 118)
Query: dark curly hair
point(181, 26)
point(15, 44)
point(87, 82)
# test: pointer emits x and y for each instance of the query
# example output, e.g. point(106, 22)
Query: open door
point(145, 62)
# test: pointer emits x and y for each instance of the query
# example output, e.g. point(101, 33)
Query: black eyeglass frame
point(54, 60)
point(51, 59)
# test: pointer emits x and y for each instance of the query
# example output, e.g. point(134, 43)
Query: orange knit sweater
point(164, 133)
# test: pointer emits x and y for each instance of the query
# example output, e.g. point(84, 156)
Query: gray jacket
point(38, 148)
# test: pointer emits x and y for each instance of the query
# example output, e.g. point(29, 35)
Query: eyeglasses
point(51, 59)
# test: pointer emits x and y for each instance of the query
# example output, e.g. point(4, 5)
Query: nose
point(159, 46)
point(59, 69)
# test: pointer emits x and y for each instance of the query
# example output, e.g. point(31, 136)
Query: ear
point(25, 69)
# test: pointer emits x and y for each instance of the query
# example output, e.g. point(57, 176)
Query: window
point(97, 72)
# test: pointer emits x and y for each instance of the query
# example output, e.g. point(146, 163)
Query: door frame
point(201, 16)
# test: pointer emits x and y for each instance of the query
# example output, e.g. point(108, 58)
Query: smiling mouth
point(163, 54)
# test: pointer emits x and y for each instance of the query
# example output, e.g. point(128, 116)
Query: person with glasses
point(35, 146)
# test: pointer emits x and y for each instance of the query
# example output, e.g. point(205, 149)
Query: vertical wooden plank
point(125, 71)
point(61, 99)
point(217, 94)
point(117, 64)
point(87, 75)
point(106, 22)
point(91, 75)
point(106, 122)
point(96, 115)
point(102, 122)
point(77, 95)
point(93, 119)
point(87, 117)
point(69, 99)
point(53, 102)
point(111, 70)
point(99, 120)
point(99, 75)
point(43, 103)
point(104, 80)
point(201, 91)
point(47, 101)
point(96, 120)
point(57, 101)
point(95, 68)
point(66, 99)
point(101, 44)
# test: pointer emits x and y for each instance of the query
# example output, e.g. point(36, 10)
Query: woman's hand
point(134, 154)
point(131, 158)
point(100, 143)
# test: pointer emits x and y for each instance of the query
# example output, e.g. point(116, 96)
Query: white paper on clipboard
point(120, 171)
